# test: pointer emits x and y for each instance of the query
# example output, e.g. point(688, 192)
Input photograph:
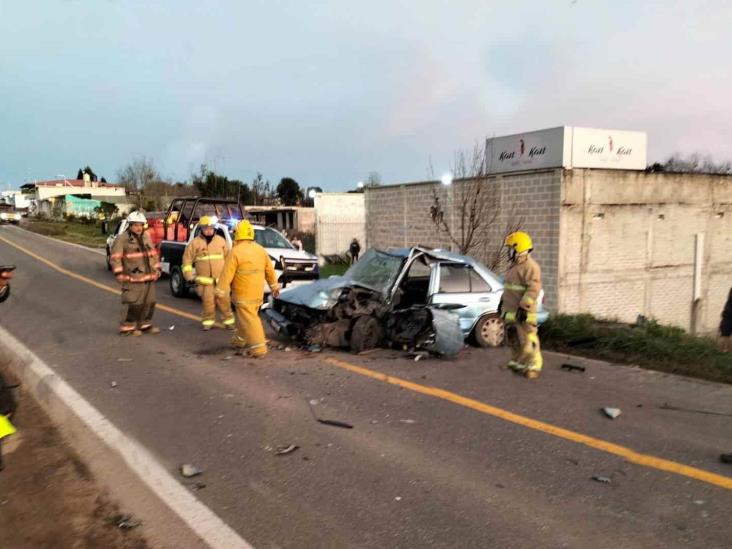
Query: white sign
point(566, 147)
point(527, 151)
point(610, 149)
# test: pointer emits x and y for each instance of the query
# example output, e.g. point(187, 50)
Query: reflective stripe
point(208, 322)
point(143, 278)
point(229, 321)
point(515, 287)
point(187, 268)
point(138, 255)
point(116, 256)
point(531, 318)
point(509, 316)
point(118, 270)
point(210, 257)
point(257, 346)
point(126, 328)
point(528, 300)
point(205, 280)
point(249, 301)
point(248, 271)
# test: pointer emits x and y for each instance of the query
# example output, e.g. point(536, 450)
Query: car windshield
point(376, 270)
point(268, 238)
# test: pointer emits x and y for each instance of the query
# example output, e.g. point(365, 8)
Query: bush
point(646, 343)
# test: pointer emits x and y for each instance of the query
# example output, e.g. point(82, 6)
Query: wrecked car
point(412, 298)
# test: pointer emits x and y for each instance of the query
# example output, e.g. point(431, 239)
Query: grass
point(69, 231)
point(333, 269)
point(648, 344)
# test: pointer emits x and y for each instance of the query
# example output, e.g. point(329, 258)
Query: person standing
point(355, 250)
point(245, 271)
point(725, 327)
point(136, 265)
point(206, 253)
point(520, 291)
point(297, 242)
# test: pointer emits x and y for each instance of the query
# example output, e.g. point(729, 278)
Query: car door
point(458, 283)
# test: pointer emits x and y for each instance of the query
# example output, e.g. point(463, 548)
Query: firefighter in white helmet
point(206, 254)
point(521, 289)
point(136, 265)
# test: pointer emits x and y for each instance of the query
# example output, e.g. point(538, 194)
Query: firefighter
point(520, 292)
point(245, 270)
point(136, 265)
point(206, 253)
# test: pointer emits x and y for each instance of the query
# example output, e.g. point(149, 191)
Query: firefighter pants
point(250, 332)
point(138, 306)
point(210, 302)
point(526, 348)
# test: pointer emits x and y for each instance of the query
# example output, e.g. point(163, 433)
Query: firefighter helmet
point(244, 231)
point(136, 217)
point(519, 241)
point(208, 221)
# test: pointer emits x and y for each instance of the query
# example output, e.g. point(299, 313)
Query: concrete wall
point(339, 218)
point(628, 245)
point(399, 216)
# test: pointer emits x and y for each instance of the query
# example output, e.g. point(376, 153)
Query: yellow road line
point(99, 285)
point(599, 444)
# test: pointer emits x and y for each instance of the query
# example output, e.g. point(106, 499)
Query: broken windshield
point(376, 270)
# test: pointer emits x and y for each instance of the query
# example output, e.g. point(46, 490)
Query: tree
point(289, 192)
point(209, 183)
point(87, 169)
point(468, 210)
point(694, 163)
point(373, 180)
point(107, 210)
point(261, 190)
point(137, 174)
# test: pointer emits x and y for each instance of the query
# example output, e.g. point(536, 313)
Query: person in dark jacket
point(355, 249)
point(725, 327)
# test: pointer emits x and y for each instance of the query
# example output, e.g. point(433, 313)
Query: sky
point(328, 91)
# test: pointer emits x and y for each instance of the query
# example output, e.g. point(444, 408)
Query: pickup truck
point(173, 232)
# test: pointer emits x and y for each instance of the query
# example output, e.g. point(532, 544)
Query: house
point(50, 197)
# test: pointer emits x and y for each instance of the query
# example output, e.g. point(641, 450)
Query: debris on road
point(604, 480)
point(666, 406)
point(313, 348)
point(197, 486)
point(113, 384)
point(284, 450)
point(124, 360)
point(188, 470)
point(410, 421)
point(124, 522)
point(332, 422)
point(572, 367)
point(612, 413)
point(171, 327)
point(398, 498)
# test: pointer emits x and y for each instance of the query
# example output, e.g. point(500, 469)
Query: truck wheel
point(490, 331)
point(367, 333)
point(178, 284)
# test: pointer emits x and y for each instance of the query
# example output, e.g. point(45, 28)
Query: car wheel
point(367, 333)
point(109, 262)
point(178, 285)
point(490, 331)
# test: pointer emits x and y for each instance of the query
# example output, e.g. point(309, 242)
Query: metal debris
point(171, 327)
point(612, 413)
point(604, 480)
point(666, 406)
point(124, 522)
point(331, 422)
point(571, 367)
point(284, 450)
point(188, 470)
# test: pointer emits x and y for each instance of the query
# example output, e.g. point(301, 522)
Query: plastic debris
point(124, 522)
point(171, 327)
point(284, 450)
point(398, 498)
point(612, 413)
point(124, 360)
point(113, 384)
point(572, 367)
point(604, 480)
point(188, 470)
point(410, 421)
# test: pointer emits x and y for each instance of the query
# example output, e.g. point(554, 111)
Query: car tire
point(109, 261)
point(178, 284)
point(490, 331)
point(367, 333)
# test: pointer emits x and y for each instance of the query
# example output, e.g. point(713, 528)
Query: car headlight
point(3, 215)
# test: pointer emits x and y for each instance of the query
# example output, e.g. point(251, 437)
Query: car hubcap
point(493, 331)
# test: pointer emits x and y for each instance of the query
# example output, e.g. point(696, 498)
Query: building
point(339, 218)
point(613, 240)
point(16, 199)
point(50, 197)
point(293, 219)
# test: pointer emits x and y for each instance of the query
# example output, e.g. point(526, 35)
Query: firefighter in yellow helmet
point(136, 265)
point(245, 270)
point(520, 291)
point(206, 254)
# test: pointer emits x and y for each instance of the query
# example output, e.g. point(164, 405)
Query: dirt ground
point(48, 497)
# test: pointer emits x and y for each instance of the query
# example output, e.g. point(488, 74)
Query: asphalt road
point(422, 466)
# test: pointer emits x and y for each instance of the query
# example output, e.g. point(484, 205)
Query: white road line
point(199, 518)
point(87, 248)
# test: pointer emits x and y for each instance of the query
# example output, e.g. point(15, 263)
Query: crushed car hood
point(320, 295)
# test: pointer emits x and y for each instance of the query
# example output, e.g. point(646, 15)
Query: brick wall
point(628, 242)
point(399, 216)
